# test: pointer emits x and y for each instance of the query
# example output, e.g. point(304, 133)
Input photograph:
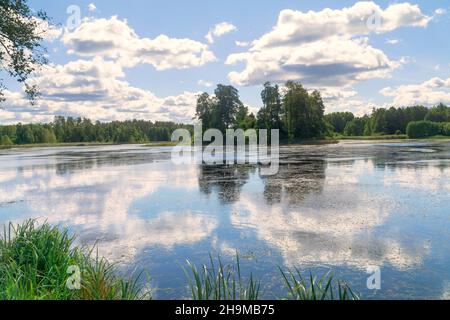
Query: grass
point(34, 264)
point(385, 137)
point(390, 137)
point(437, 138)
point(56, 145)
point(325, 288)
point(330, 140)
point(38, 261)
point(224, 282)
point(221, 282)
point(83, 144)
point(161, 144)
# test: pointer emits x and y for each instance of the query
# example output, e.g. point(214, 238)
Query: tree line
point(297, 112)
point(70, 130)
point(393, 121)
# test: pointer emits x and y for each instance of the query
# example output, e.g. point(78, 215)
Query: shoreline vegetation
point(298, 114)
point(335, 140)
point(40, 262)
point(84, 144)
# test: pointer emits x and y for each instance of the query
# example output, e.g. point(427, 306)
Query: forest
point(70, 130)
point(297, 112)
point(393, 121)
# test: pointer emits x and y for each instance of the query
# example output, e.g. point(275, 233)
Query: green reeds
point(34, 264)
point(221, 282)
point(325, 288)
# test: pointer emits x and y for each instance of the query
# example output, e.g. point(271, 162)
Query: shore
point(392, 137)
point(84, 144)
point(336, 140)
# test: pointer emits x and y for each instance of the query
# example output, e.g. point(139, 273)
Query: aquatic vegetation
point(221, 282)
point(35, 261)
point(325, 288)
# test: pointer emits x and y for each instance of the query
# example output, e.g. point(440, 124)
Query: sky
point(139, 59)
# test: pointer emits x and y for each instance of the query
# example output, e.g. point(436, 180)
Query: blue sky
point(403, 60)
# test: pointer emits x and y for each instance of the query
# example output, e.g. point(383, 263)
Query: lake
point(340, 207)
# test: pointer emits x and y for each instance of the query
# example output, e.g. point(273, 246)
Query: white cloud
point(349, 61)
point(392, 41)
point(205, 83)
point(219, 30)
point(299, 27)
point(242, 43)
point(113, 38)
point(428, 93)
point(327, 48)
point(95, 89)
point(440, 11)
point(92, 7)
point(342, 100)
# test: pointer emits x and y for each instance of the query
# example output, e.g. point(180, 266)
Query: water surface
point(337, 207)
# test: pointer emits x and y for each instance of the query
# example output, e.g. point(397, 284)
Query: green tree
point(47, 136)
point(204, 109)
point(379, 122)
point(24, 134)
point(270, 115)
point(423, 129)
point(5, 141)
point(244, 120)
point(225, 107)
point(303, 112)
point(439, 113)
point(446, 129)
point(416, 113)
point(356, 127)
point(339, 120)
point(21, 34)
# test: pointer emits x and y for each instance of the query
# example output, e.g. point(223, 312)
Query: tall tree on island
point(303, 112)
point(204, 109)
point(226, 107)
point(221, 111)
point(270, 115)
